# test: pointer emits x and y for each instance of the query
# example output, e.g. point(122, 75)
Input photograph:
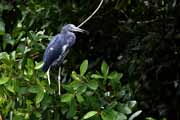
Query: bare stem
point(91, 14)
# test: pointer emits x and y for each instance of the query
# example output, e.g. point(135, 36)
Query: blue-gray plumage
point(59, 46)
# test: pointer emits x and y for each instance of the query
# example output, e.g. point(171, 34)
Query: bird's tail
point(45, 67)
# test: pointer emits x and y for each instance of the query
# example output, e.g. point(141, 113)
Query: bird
point(59, 47)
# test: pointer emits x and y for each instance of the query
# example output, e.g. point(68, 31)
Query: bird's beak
point(76, 29)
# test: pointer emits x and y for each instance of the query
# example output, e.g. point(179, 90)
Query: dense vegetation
point(138, 39)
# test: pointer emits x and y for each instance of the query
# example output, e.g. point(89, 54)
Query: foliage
point(150, 118)
point(140, 38)
point(26, 95)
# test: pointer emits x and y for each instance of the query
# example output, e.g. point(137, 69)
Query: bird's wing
point(53, 51)
point(56, 51)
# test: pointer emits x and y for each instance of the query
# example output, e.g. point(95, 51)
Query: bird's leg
point(59, 81)
point(48, 75)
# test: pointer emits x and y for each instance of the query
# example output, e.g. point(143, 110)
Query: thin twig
point(91, 14)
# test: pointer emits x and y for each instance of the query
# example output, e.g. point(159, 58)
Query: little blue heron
point(58, 48)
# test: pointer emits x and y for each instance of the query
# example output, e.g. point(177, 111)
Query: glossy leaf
point(34, 89)
point(134, 115)
point(10, 88)
point(39, 97)
point(121, 116)
point(89, 114)
point(115, 76)
point(83, 67)
point(81, 89)
point(125, 109)
point(93, 84)
point(4, 80)
point(104, 68)
point(79, 97)
point(96, 76)
point(38, 65)
point(66, 97)
point(75, 76)
point(4, 55)
point(132, 103)
point(72, 109)
point(109, 114)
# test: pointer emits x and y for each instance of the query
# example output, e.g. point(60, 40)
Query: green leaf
point(32, 36)
point(83, 67)
point(10, 88)
point(30, 63)
point(75, 76)
point(80, 99)
point(109, 114)
point(93, 84)
point(66, 98)
point(39, 97)
point(125, 109)
point(34, 89)
point(121, 116)
point(131, 104)
point(72, 109)
point(13, 55)
point(4, 55)
point(89, 114)
point(149, 118)
point(81, 89)
point(22, 90)
point(8, 39)
point(4, 80)
point(74, 85)
point(104, 69)
point(134, 115)
point(38, 65)
point(115, 76)
point(96, 76)
point(2, 28)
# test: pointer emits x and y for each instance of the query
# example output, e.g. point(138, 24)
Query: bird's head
point(72, 28)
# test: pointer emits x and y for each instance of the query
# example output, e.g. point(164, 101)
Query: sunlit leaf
point(80, 99)
point(34, 89)
point(75, 76)
point(96, 76)
point(125, 109)
point(132, 103)
point(81, 89)
point(38, 65)
point(93, 84)
point(4, 55)
point(89, 114)
point(10, 88)
point(121, 116)
point(104, 68)
point(109, 114)
point(39, 97)
point(4, 80)
point(115, 75)
point(83, 67)
point(134, 115)
point(66, 97)
point(13, 55)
